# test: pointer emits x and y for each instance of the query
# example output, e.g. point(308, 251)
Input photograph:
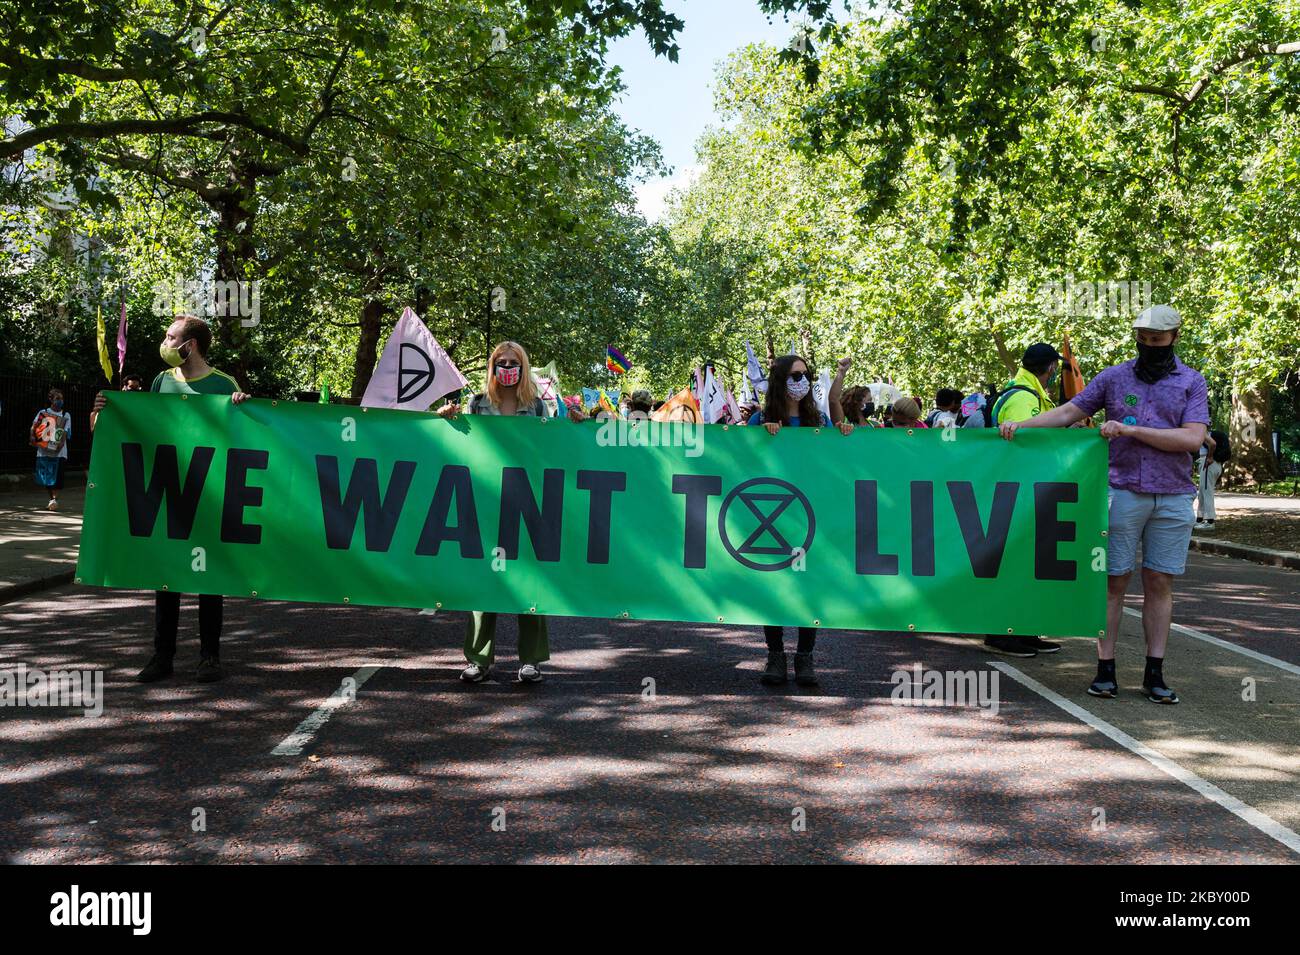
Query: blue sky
point(673, 102)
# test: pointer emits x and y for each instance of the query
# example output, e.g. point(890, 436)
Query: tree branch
point(15, 146)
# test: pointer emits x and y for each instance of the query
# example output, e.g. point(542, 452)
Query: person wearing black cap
point(1026, 397)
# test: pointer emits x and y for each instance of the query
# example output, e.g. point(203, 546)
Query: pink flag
point(121, 338)
point(414, 371)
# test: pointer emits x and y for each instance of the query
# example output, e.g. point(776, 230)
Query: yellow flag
point(103, 346)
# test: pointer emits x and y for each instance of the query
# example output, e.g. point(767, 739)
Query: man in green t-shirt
point(185, 350)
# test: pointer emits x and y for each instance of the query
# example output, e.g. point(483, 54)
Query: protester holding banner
point(185, 349)
point(509, 390)
point(132, 382)
point(1157, 415)
point(790, 404)
point(50, 431)
point(1026, 394)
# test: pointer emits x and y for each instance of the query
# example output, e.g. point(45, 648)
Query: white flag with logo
point(713, 403)
point(821, 390)
point(754, 371)
point(414, 371)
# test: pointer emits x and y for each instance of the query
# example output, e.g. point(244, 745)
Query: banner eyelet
point(719, 620)
point(165, 587)
point(254, 593)
point(909, 431)
point(274, 402)
point(1011, 629)
point(817, 622)
point(437, 606)
point(532, 610)
point(91, 485)
point(623, 614)
point(78, 580)
point(911, 626)
point(726, 427)
point(1101, 633)
point(347, 600)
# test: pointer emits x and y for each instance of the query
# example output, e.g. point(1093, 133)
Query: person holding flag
point(790, 404)
point(511, 390)
point(185, 350)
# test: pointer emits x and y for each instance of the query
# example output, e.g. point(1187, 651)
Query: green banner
point(886, 529)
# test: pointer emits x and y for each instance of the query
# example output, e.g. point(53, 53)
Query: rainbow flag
point(616, 361)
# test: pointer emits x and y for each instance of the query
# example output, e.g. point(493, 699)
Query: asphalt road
point(590, 766)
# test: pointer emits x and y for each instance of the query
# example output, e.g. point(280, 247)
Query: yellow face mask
point(171, 355)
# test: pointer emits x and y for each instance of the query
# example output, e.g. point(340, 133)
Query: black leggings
point(167, 617)
point(776, 642)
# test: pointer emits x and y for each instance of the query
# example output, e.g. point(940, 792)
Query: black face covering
point(868, 410)
point(1154, 362)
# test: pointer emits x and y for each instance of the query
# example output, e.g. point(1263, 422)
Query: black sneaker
point(1011, 646)
point(804, 674)
point(1160, 694)
point(156, 669)
point(1106, 689)
point(209, 670)
point(776, 673)
point(1040, 645)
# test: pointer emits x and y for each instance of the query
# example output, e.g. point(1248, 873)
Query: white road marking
point(1265, 824)
point(1224, 644)
point(292, 745)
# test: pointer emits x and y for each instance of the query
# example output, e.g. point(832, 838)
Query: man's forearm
point(1061, 417)
point(1168, 439)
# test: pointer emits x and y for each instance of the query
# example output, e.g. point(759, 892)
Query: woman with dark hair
point(790, 404)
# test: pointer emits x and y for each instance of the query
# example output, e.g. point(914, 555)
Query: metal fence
point(21, 399)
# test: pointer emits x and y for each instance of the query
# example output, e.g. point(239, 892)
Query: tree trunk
point(1251, 436)
point(236, 262)
point(372, 314)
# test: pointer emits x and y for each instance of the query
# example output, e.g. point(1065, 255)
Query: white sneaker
point(53, 505)
point(1208, 526)
point(475, 673)
point(530, 673)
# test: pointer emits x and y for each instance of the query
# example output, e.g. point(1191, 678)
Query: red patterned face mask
point(507, 376)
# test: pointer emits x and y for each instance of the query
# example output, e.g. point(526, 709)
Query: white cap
point(1159, 318)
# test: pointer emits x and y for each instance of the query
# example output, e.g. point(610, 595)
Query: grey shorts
point(1161, 522)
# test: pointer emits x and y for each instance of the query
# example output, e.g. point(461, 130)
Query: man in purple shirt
point(1157, 415)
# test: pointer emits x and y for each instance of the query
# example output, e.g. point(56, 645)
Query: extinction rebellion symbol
point(414, 372)
point(771, 532)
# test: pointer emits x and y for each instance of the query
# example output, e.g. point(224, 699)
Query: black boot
point(158, 667)
point(804, 674)
point(776, 672)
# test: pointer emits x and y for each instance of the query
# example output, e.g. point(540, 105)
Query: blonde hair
point(525, 391)
point(908, 408)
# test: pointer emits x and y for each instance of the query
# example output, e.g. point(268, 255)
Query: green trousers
point(481, 632)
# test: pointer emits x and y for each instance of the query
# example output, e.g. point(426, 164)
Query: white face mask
point(798, 389)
